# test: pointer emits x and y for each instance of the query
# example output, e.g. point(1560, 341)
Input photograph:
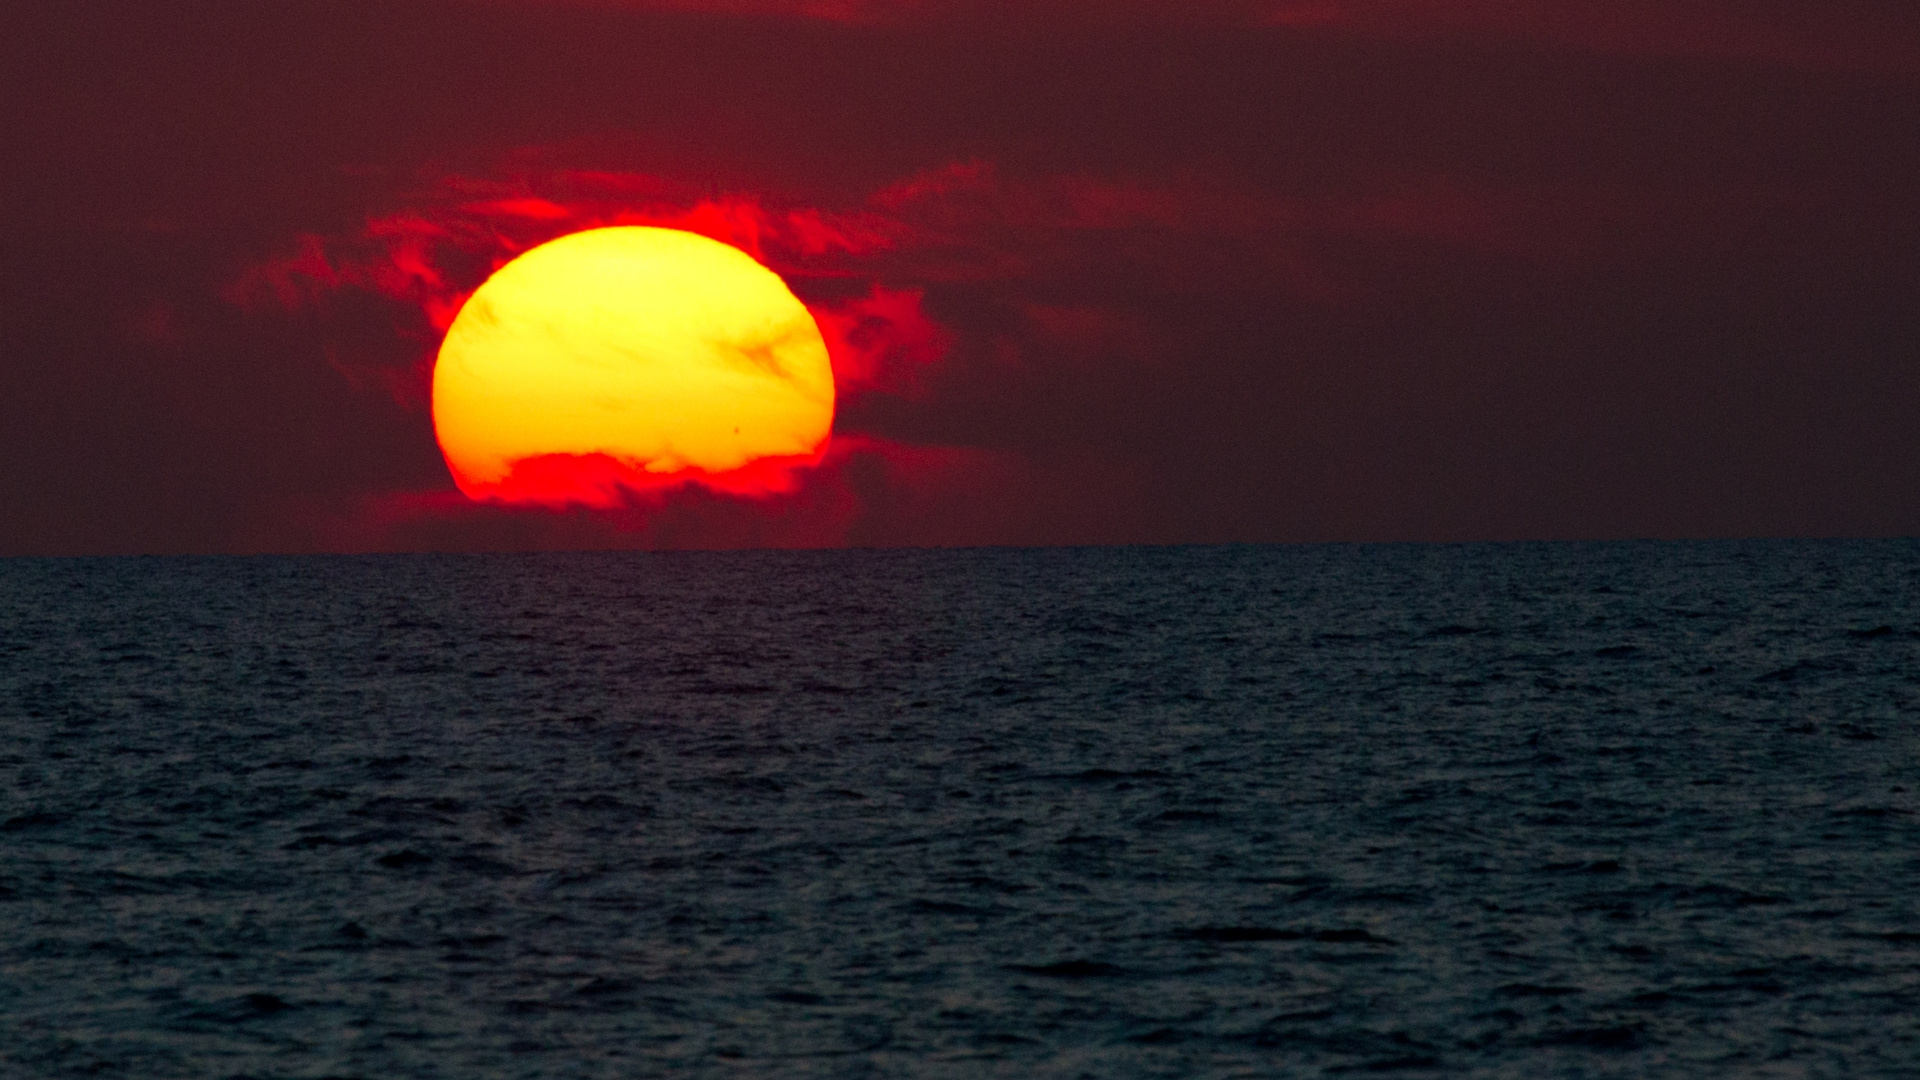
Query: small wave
point(1071, 969)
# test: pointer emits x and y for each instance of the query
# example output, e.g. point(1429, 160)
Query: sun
point(626, 359)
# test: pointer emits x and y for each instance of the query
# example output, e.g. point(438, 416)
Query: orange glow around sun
point(628, 359)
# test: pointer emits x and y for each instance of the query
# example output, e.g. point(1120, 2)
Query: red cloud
point(433, 257)
point(1060, 263)
point(867, 491)
point(865, 270)
point(882, 341)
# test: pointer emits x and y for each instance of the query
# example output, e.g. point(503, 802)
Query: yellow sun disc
point(626, 358)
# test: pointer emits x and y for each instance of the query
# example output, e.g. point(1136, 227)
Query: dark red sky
point(1117, 271)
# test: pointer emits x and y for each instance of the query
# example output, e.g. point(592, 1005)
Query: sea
point(1490, 810)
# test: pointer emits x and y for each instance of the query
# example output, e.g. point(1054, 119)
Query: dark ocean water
point(1509, 811)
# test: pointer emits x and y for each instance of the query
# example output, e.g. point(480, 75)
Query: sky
point(1091, 271)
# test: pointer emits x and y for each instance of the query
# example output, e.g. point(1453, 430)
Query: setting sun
point(626, 359)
